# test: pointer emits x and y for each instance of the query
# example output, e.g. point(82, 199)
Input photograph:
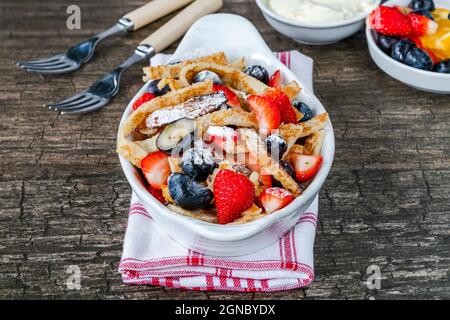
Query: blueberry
point(418, 58)
point(385, 43)
point(207, 75)
point(276, 146)
point(417, 5)
point(288, 168)
point(401, 48)
point(305, 110)
point(187, 193)
point(155, 90)
point(425, 13)
point(442, 67)
point(258, 72)
point(198, 163)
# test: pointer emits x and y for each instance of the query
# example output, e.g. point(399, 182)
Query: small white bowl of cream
point(317, 22)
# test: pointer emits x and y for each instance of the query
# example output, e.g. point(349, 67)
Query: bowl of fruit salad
point(222, 145)
point(410, 41)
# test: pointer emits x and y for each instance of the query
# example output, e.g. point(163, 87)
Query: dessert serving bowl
point(417, 78)
point(314, 34)
point(237, 37)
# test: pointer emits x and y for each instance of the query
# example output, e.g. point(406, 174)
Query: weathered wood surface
point(64, 199)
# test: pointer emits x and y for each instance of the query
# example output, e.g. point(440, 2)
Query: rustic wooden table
point(64, 199)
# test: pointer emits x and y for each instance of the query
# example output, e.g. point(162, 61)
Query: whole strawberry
point(233, 194)
point(390, 21)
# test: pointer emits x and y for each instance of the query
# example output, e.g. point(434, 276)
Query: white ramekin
point(313, 34)
point(419, 79)
point(237, 37)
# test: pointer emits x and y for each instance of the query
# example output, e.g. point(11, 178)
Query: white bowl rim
point(266, 10)
point(240, 231)
point(373, 44)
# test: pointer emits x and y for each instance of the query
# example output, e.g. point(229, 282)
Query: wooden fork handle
point(153, 10)
point(178, 25)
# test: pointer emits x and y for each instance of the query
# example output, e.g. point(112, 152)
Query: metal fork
point(82, 52)
point(102, 91)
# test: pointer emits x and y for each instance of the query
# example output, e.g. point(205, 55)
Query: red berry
point(233, 194)
point(287, 112)
point(267, 113)
point(421, 25)
point(274, 199)
point(233, 100)
point(306, 167)
point(156, 169)
point(390, 21)
point(156, 193)
point(142, 99)
point(275, 80)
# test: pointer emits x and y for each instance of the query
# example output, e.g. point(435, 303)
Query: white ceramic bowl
point(419, 79)
point(237, 37)
point(313, 34)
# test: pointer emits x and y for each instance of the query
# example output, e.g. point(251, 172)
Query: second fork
point(101, 91)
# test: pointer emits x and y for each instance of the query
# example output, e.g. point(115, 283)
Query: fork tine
point(41, 64)
point(72, 99)
point(58, 70)
point(85, 102)
point(44, 60)
point(75, 104)
point(50, 67)
point(90, 108)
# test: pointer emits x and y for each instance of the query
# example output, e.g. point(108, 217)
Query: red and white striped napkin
point(151, 257)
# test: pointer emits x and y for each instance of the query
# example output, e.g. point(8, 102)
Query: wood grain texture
point(64, 199)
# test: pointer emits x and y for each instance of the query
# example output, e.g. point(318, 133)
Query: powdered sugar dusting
point(279, 192)
point(191, 109)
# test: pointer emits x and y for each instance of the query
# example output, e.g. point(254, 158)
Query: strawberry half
point(156, 193)
point(389, 21)
point(274, 199)
point(267, 113)
point(142, 99)
point(421, 25)
point(306, 167)
point(283, 103)
point(224, 138)
point(275, 80)
point(233, 194)
point(233, 100)
point(156, 169)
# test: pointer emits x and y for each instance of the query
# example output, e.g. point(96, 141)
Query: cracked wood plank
point(64, 199)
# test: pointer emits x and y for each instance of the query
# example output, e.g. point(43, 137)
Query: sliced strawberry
point(275, 80)
point(266, 180)
point(224, 138)
point(156, 169)
point(156, 193)
point(306, 167)
point(421, 25)
point(389, 21)
point(267, 113)
point(285, 107)
point(233, 194)
point(274, 199)
point(142, 99)
point(233, 100)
